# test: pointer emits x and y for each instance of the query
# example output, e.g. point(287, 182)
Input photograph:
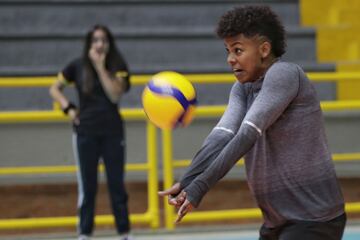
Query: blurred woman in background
point(101, 77)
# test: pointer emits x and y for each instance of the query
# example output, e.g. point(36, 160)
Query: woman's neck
point(267, 63)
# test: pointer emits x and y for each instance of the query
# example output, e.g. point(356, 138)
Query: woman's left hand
point(185, 208)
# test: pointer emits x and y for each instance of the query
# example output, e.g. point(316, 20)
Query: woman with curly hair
point(274, 120)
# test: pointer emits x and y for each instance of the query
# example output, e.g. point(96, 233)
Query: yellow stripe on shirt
point(62, 79)
point(121, 74)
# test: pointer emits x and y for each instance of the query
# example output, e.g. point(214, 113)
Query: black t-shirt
point(98, 115)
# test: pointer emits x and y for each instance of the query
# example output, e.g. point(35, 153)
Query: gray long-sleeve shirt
point(277, 123)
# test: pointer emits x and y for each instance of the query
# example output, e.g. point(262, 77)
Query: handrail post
point(56, 106)
point(153, 187)
point(168, 176)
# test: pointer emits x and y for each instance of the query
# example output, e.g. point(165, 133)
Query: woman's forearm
point(112, 85)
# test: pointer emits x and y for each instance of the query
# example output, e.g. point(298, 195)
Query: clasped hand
point(97, 58)
point(177, 198)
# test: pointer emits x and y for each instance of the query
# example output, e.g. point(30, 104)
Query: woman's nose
point(231, 59)
point(100, 43)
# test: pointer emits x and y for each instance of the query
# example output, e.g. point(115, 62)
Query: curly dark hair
point(251, 21)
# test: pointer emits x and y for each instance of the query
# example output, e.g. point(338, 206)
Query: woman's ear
point(265, 49)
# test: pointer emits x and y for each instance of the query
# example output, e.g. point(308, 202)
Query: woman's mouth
point(238, 72)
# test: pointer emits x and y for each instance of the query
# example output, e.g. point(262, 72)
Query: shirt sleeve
point(224, 161)
point(123, 72)
point(68, 74)
point(223, 132)
point(279, 88)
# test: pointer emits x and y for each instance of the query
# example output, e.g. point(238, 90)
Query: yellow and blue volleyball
point(169, 100)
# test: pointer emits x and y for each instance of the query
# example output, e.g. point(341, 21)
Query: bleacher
point(338, 37)
point(39, 37)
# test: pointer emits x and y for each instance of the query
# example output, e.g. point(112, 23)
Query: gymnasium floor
point(352, 232)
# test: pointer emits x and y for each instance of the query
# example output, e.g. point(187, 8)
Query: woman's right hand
point(176, 196)
point(97, 58)
point(74, 115)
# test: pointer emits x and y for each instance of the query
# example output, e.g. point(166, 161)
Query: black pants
point(300, 230)
point(88, 150)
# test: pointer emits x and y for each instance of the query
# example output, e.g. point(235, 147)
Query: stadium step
point(147, 51)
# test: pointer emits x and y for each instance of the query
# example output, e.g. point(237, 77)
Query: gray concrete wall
point(49, 144)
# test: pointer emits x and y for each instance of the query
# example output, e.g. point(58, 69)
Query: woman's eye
point(96, 40)
point(238, 50)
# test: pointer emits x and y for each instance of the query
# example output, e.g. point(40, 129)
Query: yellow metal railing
point(152, 214)
point(215, 78)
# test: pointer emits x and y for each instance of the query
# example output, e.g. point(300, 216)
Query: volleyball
point(169, 100)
